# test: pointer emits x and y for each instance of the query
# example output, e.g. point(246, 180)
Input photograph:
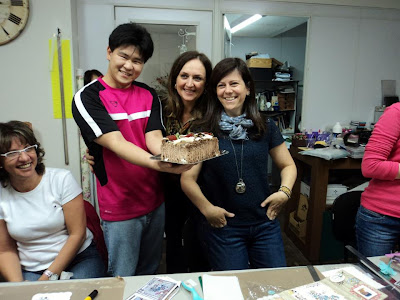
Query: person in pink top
point(121, 123)
point(378, 218)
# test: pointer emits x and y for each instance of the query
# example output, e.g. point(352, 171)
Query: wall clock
point(13, 17)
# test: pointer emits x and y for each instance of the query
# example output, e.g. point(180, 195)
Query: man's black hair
point(132, 34)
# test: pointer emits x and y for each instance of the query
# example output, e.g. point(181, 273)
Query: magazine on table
point(158, 288)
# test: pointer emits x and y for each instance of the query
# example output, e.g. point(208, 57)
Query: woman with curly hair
point(42, 218)
point(184, 107)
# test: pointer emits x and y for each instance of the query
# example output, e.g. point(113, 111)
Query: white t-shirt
point(35, 220)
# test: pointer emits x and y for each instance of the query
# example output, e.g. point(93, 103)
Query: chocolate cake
point(191, 148)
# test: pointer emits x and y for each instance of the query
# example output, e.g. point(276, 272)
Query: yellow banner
point(55, 77)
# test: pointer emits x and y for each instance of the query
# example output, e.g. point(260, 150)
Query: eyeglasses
point(16, 153)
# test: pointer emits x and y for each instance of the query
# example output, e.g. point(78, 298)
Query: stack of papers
point(221, 287)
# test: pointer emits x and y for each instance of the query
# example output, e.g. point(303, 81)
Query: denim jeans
point(237, 248)
point(87, 264)
point(376, 234)
point(135, 246)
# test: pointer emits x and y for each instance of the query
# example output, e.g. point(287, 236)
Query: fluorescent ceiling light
point(247, 22)
point(226, 24)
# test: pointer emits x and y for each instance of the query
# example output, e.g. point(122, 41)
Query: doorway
point(173, 32)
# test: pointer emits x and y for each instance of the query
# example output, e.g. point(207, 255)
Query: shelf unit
point(287, 97)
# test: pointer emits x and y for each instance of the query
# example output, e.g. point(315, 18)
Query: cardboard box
point(305, 189)
point(261, 73)
point(286, 101)
point(332, 192)
point(335, 190)
point(297, 226)
point(263, 63)
point(302, 208)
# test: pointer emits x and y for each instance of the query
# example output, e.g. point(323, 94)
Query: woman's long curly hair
point(23, 132)
point(174, 105)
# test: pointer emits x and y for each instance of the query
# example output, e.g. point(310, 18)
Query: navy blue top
point(219, 176)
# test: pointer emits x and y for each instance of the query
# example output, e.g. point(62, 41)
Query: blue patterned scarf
point(235, 126)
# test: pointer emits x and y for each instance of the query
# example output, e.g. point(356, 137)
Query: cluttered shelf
point(305, 229)
point(276, 90)
point(282, 119)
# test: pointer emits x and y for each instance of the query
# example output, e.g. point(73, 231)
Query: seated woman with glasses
point(42, 218)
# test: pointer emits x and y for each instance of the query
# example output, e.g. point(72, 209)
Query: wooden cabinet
point(310, 244)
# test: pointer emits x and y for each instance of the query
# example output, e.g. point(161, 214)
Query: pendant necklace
point(240, 187)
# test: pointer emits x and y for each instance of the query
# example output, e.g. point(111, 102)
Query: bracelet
point(286, 190)
point(51, 275)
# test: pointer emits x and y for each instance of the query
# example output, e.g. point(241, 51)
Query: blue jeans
point(376, 234)
point(87, 264)
point(135, 246)
point(238, 248)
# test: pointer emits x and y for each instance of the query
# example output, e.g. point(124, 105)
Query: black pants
point(183, 249)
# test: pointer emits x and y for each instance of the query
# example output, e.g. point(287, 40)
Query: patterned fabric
point(236, 127)
point(173, 126)
point(85, 173)
point(87, 177)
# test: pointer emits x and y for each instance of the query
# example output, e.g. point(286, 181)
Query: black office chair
point(344, 211)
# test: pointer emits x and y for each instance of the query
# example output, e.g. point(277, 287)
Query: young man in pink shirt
point(121, 122)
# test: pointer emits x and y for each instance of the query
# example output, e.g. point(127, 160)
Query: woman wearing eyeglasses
point(42, 218)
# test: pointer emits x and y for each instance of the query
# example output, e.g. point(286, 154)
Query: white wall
point(25, 90)
point(347, 59)
point(294, 50)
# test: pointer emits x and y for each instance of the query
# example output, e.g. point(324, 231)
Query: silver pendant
point(240, 187)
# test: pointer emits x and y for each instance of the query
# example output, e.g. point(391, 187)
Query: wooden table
point(310, 246)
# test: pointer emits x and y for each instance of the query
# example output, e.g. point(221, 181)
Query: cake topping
point(190, 137)
point(172, 137)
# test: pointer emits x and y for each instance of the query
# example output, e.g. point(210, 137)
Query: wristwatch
point(51, 275)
